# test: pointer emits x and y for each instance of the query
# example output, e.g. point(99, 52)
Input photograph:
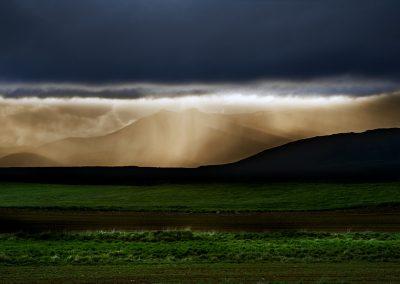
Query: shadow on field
point(13, 220)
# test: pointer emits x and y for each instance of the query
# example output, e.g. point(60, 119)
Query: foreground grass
point(189, 257)
point(186, 247)
point(201, 198)
point(272, 272)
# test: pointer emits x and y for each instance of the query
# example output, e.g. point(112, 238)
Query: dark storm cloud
point(197, 40)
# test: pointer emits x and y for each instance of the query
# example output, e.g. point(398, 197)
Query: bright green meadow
point(201, 197)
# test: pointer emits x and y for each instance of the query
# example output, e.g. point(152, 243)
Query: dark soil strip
point(207, 273)
point(12, 220)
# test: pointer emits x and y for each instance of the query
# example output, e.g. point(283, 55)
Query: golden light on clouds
point(179, 130)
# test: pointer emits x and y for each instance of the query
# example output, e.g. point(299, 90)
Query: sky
point(202, 41)
point(89, 67)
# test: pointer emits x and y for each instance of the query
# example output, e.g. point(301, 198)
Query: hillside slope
point(348, 154)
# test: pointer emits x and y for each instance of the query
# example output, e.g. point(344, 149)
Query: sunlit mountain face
point(189, 83)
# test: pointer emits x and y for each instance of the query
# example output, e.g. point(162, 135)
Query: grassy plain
point(103, 248)
point(194, 257)
point(201, 197)
point(200, 257)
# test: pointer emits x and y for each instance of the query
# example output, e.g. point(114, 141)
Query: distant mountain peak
point(25, 159)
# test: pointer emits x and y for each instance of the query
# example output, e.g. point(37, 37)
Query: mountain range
point(192, 139)
point(370, 155)
point(165, 139)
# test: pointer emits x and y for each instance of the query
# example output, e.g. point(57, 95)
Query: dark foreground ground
point(273, 272)
point(380, 219)
point(354, 272)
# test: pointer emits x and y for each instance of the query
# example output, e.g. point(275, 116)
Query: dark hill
point(374, 152)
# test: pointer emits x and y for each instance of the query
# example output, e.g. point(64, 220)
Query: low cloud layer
point(330, 86)
point(34, 121)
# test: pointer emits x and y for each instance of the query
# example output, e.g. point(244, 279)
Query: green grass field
point(201, 198)
point(195, 247)
point(198, 257)
point(185, 256)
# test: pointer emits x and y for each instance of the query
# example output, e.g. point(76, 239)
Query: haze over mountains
point(371, 155)
point(189, 138)
point(166, 139)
